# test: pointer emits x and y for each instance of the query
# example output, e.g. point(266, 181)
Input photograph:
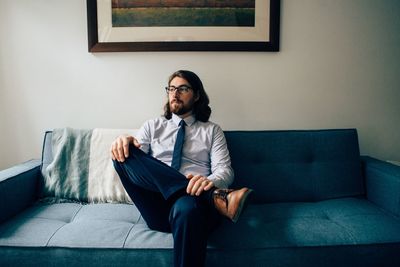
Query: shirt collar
point(189, 120)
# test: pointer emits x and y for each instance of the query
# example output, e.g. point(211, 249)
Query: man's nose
point(176, 93)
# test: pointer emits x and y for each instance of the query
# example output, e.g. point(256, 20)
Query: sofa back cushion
point(281, 166)
point(309, 165)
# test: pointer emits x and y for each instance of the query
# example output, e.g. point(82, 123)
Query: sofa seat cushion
point(347, 221)
point(342, 232)
point(72, 225)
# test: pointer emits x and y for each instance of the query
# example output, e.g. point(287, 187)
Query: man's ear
point(197, 97)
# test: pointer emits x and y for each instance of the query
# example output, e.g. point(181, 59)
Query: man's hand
point(198, 184)
point(120, 147)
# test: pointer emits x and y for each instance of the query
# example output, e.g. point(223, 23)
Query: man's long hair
point(201, 108)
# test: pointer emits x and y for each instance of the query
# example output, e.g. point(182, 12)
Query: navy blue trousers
point(159, 192)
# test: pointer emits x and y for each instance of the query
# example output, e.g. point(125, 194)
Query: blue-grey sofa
point(317, 202)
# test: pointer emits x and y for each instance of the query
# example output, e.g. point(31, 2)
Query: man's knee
point(117, 166)
point(185, 209)
point(135, 151)
point(120, 166)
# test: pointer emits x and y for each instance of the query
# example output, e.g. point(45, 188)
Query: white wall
point(338, 67)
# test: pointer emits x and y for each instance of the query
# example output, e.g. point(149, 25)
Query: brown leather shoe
point(230, 202)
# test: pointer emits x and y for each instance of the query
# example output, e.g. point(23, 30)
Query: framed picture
point(183, 25)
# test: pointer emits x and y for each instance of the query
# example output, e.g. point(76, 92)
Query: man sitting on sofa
point(177, 170)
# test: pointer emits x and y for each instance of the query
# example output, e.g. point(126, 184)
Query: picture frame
point(103, 37)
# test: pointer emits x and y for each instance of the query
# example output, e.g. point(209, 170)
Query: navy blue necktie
point(180, 138)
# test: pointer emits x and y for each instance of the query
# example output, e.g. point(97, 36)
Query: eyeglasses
point(183, 89)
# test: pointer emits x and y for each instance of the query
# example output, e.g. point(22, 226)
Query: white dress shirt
point(204, 150)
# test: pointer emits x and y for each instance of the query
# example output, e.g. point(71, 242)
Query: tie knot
point(182, 123)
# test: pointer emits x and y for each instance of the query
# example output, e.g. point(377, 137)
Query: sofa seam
point(349, 232)
point(76, 213)
point(51, 237)
point(387, 211)
point(130, 230)
point(351, 235)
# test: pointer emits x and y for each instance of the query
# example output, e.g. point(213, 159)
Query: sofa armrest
point(18, 188)
point(382, 183)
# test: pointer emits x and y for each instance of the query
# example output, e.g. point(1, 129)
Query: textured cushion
point(342, 230)
point(347, 221)
point(285, 166)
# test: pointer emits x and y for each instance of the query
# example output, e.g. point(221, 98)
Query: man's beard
point(180, 109)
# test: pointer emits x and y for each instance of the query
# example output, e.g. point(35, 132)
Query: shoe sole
point(242, 205)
